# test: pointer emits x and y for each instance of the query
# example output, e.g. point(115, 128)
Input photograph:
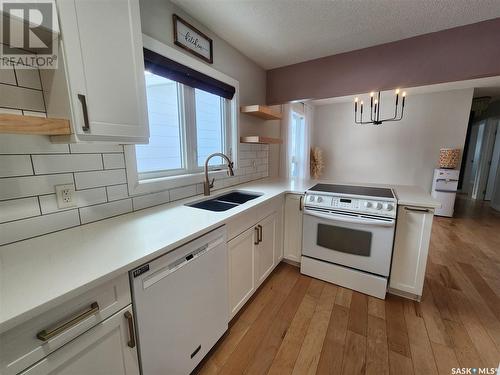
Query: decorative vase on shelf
point(317, 163)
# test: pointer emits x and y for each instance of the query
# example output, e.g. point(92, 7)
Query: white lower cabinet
point(252, 257)
point(108, 348)
point(411, 246)
point(293, 227)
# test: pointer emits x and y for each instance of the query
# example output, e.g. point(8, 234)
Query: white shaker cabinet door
point(411, 246)
point(265, 251)
point(241, 252)
point(108, 348)
point(293, 227)
point(102, 47)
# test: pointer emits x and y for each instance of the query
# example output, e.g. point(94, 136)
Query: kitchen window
point(297, 139)
point(191, 115)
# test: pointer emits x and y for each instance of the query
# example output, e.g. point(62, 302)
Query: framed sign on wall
point(192, 40)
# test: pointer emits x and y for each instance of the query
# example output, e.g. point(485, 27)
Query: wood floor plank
point(377, 352)
point(288, 352)
point(376, 307)
point(310, 351)
point(332, 353)
point(465, 351)
point(263, 358)
point(358, 313)
point(445, 358)
point(399, 364)
point(432, 318)
point(354, 354)
point(344, 296)
point(397, 335)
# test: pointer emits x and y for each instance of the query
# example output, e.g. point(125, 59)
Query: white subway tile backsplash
point(113, 161)
point(103, 211)
point(86, 180)
point(182, 192)
point(149, 200)
point(45, 164)
point(48, 203)
point(19, 187)
point(21, 98)
point(36, 226)
point(94, 148)
point(16, 209)
point(28, 77)
point(15, 165)
point(117, 192)
point(7, 75)
point(29, 144)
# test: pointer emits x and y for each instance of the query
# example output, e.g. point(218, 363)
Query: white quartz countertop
point(38, 273)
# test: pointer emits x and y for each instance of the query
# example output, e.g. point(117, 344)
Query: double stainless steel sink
point(226, 201)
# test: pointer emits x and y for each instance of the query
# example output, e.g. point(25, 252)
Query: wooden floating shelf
point(258, 139)
point(20, 124)
point(261, 111)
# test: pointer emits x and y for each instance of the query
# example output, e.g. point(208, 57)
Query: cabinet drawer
point(241, 223)
point(267, 208)
point(20, 347)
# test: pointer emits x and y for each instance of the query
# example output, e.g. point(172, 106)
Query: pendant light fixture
point(375, 109)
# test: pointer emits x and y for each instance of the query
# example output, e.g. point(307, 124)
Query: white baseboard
point(357, 280)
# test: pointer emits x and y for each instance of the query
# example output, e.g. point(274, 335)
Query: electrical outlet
point(66, 196)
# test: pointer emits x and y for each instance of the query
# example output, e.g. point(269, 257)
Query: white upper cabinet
point(103, 64)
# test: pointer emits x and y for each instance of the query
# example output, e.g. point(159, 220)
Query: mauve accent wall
point(461, 53)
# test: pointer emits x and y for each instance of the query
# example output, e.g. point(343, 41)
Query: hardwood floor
point(299, 325)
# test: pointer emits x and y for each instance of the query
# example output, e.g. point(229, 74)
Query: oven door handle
point(348, 219)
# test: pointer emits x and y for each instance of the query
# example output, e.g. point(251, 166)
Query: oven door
point(355, 241)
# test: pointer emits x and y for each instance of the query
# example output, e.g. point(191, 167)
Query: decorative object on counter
point(192, 40)
point(260, 111)
point(375, 109)
point(448, 158)
point(317, 162)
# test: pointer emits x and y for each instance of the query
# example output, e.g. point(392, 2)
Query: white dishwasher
point(181, 305)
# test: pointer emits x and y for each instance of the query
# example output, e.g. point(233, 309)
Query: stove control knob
point(367, 204)
point(320, 199)
point(388, 206)
point(311, 198)
point(378, 206)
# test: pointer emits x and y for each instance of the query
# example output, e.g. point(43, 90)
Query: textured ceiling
point(275, 33)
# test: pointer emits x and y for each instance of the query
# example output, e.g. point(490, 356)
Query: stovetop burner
point(354, 190)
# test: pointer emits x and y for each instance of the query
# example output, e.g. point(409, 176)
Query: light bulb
point(404, 93)
point(376, 101)
point(397, 91)
point(371, 94)
point(356, 99)
point(361, 102)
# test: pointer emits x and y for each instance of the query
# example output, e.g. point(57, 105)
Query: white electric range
point(348, 236)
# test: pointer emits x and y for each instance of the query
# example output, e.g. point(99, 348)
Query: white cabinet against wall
point(99, 84)
point(293, 227)
point(411, 246)
point(252, 257)
point(265, 251)
point(107, 348)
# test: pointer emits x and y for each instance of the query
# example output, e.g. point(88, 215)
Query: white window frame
point(138, 186)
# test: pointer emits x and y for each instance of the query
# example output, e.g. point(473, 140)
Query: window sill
point(164, 183)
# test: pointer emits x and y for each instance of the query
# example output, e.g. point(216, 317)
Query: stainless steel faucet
point(207, 185)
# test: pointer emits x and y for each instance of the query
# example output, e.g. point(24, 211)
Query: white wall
point(156, 18)
point(404, 152)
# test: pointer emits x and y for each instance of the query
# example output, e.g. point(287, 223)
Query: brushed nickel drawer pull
point(47, 334)
point(256, 241)
point(83, 102)
point(131, 333)
point(422, 210)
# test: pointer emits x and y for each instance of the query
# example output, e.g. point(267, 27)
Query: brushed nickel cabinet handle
point(301, 203)
point(256, 241)
point(47, 334)
point(131, 333)
point(422, 210)
point(83, 101)
point(260, 232)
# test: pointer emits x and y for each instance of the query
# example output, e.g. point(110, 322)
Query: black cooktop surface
point(354, 190)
